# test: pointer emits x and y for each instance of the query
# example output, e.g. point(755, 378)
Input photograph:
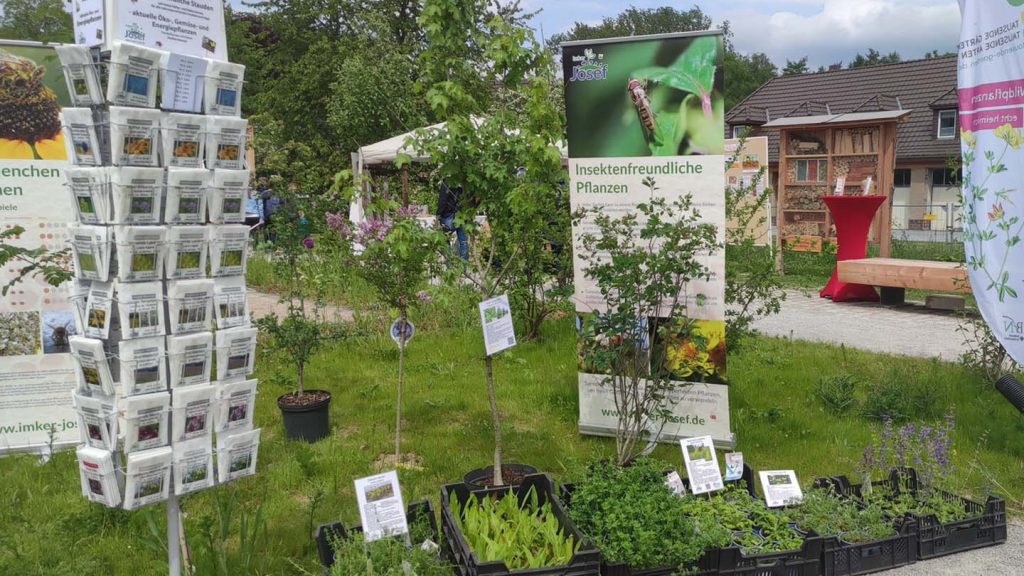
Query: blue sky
point(826, 31)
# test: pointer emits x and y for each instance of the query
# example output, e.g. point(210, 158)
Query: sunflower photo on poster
point(693, 350)
point(32, 92)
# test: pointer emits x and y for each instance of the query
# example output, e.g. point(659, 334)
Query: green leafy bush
point(837, 393)
point(389, 556)
point(901, 399)
point(829, 514)
point(529, 536)
point(740, 514)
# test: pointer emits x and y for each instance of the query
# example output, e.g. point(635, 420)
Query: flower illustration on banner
point(997, 213)
point(1009, 134)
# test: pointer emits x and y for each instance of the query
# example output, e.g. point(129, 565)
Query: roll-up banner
point(991, 94)
point(37, 373)
point(652, 107)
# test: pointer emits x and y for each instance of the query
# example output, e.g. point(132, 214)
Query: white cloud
point(839, 29)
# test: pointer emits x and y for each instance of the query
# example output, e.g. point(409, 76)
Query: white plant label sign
point(496, 319)
point(380, 506)
point(402, 331)
point(702, 464)
point(780, 488)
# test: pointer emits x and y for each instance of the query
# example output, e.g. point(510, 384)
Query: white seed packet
point(90, 194)
point(99, 309)
point(223, 88)
point(225, 142)
point(183, 137)
point(186, 195)
point(193, 465)
point(134, 136)
point(192, 412)
point(140, 307)
point(133, 75)
point(98, 473)
point(94, 374)
point(229, 249)
point(230, 303)
point(140, 252)
point(189, 305)
point(236, 352)
point(97, 420)
point(80, 74)
point(229, 189)
point(185, 257)
point(83, 144)
point(145, 421)
point(147, 477)
point(137, 194)
point(235, 404)
point(191, 359)
point(91, 248)
point(79, 297)
point(142, 366)
point(236, 455)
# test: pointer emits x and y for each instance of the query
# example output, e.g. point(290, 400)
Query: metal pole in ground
point(173, 546)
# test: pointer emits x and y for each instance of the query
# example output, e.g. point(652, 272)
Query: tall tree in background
point(873, 58)
point(40, 20)
point(744, 74)
point(793, 67)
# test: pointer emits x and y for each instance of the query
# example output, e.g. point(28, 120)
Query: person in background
point(271, 211)
point(447, 207)
point(254, 216)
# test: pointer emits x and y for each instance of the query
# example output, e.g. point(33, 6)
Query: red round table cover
point(852, 216)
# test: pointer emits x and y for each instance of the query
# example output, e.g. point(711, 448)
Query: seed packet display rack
point(151, 435)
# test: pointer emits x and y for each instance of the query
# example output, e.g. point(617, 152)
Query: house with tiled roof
point(925, 142)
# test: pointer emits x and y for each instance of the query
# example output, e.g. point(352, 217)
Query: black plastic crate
point(586, 562)
point(327, 534)
point(803, 562)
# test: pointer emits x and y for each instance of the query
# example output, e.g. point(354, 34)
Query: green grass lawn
point(48, 528)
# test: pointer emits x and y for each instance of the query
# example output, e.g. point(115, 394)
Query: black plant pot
point(482, 477)
point(308, 422)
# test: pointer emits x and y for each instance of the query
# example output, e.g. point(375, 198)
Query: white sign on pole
point(380, 506)
point(780, 488)
point(191, 27)
point(496, 319)
point(702, 464)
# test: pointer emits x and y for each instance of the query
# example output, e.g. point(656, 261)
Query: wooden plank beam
point(899, 273)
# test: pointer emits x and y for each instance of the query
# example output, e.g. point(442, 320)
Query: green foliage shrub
point(389, 556)
point(837, 393)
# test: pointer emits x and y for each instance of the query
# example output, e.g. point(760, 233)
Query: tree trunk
point(401, 385)
point(496, 417)
point(302, 369)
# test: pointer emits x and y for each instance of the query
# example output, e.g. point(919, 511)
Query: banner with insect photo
point(645, 119)
point(37, 373)
point(991, 94)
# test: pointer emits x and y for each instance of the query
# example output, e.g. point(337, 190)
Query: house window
point(740, 130)
point(945, 178)
point(947, 123)
point(901, 178)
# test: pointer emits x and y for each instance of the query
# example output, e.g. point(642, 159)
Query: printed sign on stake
point(702, 464)
point(780, 488)
point(734, 466)
point(380, 506)
point(496, 319)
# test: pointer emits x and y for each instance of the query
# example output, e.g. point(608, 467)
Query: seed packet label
point(147, 477)
point(98, 475)
point(137, 194)
point(496, 319)
point(191, 357)
point(142, 368)
point(193, 466)
point(236, 352)
point(229, 190)
point(840, 185)
point(236, 454)
point(98, 310)
point(141, 309)
point(183, 138)
point(230, 303)
point(79, 297)
point(702, 464)
point(94, 374)
point(236, 401)
point(146, 421)
point(134, 134)
point(80, 73)
point(223, 93)
point(91, 248)
point(186, 253)
point(733, 466)
point(186, 196)
point(225, 142)
point(139, 252)
point(80, 131)
point(190, 305)
point(380, 506)
point(780, 488)
point(97, 420)
point(133, 74)
point(182, 78)
point(228, 249)
point(675, 483)
point(192, 411)
point(90, 192)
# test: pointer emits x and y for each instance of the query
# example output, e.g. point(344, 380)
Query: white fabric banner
point(991, 94)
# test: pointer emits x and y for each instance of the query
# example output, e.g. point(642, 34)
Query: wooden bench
point(893, 276)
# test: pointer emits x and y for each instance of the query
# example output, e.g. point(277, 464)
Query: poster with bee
point(37, 321)
point(646, 121)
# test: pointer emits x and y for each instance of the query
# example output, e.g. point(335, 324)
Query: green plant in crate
point(829, 514)
point(527, 536)
point(389, 556)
